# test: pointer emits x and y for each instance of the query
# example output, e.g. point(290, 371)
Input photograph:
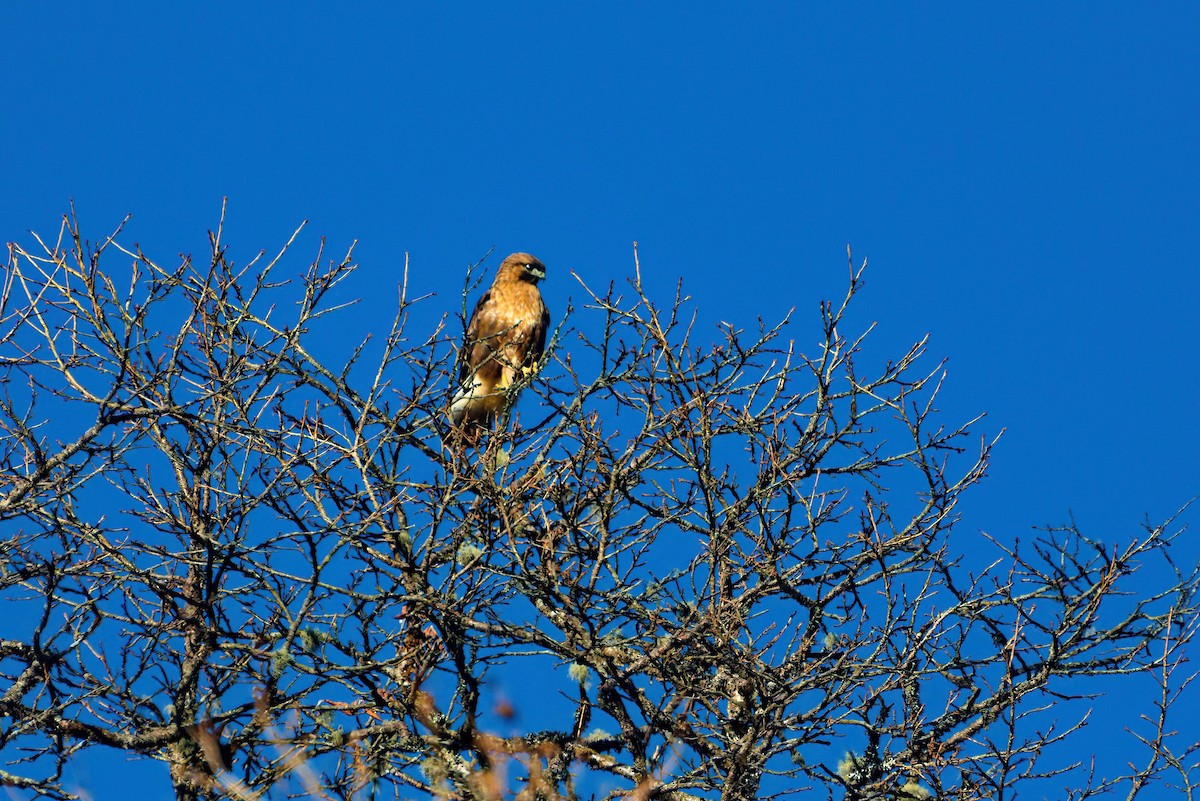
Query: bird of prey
point(505, 339)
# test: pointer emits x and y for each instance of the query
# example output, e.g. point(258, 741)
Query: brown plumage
point(505, 339)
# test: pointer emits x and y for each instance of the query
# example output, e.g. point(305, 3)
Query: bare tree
point(701, 566)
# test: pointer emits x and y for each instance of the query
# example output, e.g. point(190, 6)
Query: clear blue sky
point(1024, 178)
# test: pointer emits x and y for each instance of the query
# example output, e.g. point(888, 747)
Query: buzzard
point(505, 339)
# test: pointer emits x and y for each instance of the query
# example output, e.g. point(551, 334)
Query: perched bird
point(505, 338)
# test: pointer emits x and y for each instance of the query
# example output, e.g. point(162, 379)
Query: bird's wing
point(474, 350)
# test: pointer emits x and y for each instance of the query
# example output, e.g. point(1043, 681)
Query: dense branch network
point(734, 564)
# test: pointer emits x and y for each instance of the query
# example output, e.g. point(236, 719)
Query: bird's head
point(523, 267)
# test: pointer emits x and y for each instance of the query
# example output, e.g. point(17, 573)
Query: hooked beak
point(538, 273)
